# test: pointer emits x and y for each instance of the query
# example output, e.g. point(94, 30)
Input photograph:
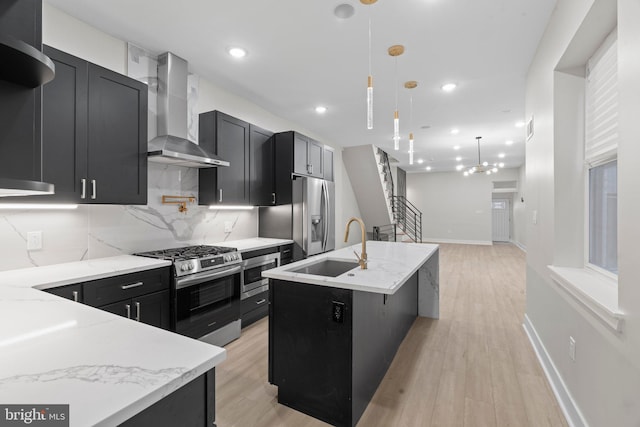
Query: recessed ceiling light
point(459, 167)
point(321, 109)
point(458, 158)
point(420, 161)
point(455, 131)
point(501, 155)
point(456, 147)
point(344, 11)
point(448, 87)
point(428, 168)
point(519, 124)
point(237, 52)
point(466, 173)
point(509, 142)
point(501, 164)
point(494, 170)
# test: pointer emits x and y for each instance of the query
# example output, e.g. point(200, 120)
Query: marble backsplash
point(95, 231)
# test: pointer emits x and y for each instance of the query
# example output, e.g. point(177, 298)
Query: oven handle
point(205, 276)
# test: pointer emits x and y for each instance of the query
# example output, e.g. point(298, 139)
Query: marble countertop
point(106, 367)
point(390, 264)
point(254, 243)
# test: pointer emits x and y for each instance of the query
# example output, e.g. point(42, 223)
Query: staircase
point(369, 170)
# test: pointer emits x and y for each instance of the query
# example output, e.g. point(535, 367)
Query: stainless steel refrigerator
point(309, 220)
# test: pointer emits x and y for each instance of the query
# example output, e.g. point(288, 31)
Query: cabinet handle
point(94, 193)
point(273, 198)
point(137, 311)
point(128, 307)
point(310, 169)
point(262, 301)
point(83, 193)
point(133, 285)
point(220, 198)
point(75, 296)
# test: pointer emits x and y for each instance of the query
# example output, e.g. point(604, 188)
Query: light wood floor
point(472, 367)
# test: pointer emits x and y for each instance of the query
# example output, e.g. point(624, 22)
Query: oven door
point(253, 282)
point(207, 301)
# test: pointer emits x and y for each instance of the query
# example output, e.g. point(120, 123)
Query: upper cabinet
point(248, 180)
point(328, 164)
point(307, 155)
point(94, 134)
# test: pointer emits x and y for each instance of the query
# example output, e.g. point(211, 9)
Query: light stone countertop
point(253, 244)
point(106, 367)
point(390, 265)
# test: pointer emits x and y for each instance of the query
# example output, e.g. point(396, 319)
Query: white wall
point(455, 208)
point(519, 236)
point(603, 383)
point(97, 231)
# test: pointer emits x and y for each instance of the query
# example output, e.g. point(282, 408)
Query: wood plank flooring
point(472, 367)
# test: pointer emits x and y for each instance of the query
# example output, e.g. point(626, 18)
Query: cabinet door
point(327, 165)
point(121, 308)
point(229, 138)
point(262, 179)
point(100, 292)
point(300, 158)
point(64, 128)
point(117, 139)
point(153, 309)
point(315, 154)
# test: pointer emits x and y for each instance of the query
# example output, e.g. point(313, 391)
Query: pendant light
point(412, 84)
point(395, 51)
point(481, 167)
point(370, 76)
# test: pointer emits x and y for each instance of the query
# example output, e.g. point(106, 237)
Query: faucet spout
point(362, 259)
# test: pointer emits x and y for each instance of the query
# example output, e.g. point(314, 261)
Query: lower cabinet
point(254, 308)
point(192, 405)
point(143, 296)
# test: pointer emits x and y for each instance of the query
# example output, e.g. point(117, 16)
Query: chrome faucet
point(362, 259)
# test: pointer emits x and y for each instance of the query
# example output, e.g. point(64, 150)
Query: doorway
point(501, 218)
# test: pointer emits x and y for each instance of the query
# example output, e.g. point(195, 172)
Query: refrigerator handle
point(325, 193)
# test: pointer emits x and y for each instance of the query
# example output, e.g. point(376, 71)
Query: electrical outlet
point(337, 312)
point(34, 240)
point(228, 226)
point(572, 348)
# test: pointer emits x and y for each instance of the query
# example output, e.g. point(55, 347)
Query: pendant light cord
point(369, 42)
point(478, 138)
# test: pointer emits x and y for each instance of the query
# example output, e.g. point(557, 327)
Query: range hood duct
point(172, 145)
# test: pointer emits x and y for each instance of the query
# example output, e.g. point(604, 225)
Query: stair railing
point(408, 217)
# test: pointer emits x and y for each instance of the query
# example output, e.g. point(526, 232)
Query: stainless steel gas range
point(206, 288)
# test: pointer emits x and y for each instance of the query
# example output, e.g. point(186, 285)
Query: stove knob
point(184, 267)
point(227, 258)
point(236, 256)
point(191, 266)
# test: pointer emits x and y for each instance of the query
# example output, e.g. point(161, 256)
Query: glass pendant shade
point(411, 148)
point(396, 131)
point(370, 103)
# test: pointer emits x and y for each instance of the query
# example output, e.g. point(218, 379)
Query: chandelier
point(481, 167)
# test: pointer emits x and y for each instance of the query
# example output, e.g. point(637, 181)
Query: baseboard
point(522, 247)
point(461, 242)
point(569, 408)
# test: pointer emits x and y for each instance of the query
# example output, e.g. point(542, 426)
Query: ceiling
point(301, 55)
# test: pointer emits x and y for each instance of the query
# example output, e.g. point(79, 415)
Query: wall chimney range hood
point(171, 146)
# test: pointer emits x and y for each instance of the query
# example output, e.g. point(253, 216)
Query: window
point(603, 216)
point(601, 147)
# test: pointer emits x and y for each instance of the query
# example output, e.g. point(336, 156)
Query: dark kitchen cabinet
point(228, 137)
point(94, 133)
point(254, 308)
point(307, 155)
point(72, 292)
point(142, 296)
point(261, 172)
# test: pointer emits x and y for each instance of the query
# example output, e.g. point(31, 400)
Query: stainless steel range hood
point(171, 145)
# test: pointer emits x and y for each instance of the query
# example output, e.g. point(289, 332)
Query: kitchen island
point(334, 328)
point(109, 370)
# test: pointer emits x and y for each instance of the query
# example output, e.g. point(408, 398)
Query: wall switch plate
point(535, 217)
point(228, 226)
point(34, 240)
point(572, 348)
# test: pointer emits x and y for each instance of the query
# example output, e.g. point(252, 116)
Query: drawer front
point(255, 302)
point(112, 289)
point(72, 292)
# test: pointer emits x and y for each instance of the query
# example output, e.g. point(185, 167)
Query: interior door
point(501, 213)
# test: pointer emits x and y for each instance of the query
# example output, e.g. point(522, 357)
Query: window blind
point(601, 103)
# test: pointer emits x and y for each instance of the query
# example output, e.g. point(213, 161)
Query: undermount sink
point(327, 268)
